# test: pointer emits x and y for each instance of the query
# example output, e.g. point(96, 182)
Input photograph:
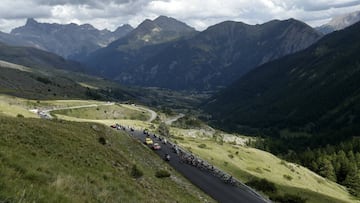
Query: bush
point(262, 185)
point(20, 116)
point(231, 156)
point(162, 174)
point(287, 177)
point(102, 141)
point(136, 172)
point(202, 145)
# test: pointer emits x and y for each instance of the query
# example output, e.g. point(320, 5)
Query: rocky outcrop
point(70, 40)
point(340, 22)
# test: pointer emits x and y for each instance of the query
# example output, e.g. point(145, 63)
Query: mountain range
point(340, 22)
point(315, 91)
point(32, 73)
point(168, 53)
point(70, 40)
point(144, 42)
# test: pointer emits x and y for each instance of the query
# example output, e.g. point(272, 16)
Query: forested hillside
point(305, 105)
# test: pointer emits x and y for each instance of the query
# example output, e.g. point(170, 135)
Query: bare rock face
point(70, 41)
point(340, 22)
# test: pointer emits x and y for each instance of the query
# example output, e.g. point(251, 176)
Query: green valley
point(211, 109)
point(61, 161)
point(218, 148)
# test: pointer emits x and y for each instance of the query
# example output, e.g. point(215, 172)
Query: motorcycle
point(167, 157)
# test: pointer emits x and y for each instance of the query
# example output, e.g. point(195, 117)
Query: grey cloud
point(91, 3)
point(335, 5)
point(111, 13)
point(16, 10)
point(311, 5)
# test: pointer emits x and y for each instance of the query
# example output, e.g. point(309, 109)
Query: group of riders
point(188, 158)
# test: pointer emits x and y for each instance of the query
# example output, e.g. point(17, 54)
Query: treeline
point(339, 163)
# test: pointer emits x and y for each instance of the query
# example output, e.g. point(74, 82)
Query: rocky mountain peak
point(340, 22)
point(124, 27)
point(31, 21)
point(343, 21)
point(67, 40)
point(87, 27)
point(171, 24)
point(146, 25)
point(123, 30)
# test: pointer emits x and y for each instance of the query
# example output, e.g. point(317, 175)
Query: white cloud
point(197, 13)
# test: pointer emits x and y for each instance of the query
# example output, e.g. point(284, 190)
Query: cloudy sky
point(197, 13)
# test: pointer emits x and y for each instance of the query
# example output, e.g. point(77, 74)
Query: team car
point(156, 146)
point(148, 141)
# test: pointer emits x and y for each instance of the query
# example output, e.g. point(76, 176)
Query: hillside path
point(173, 119)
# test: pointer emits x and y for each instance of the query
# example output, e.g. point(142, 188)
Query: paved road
point(210, 184)
point(153, 114)
point(46, 113)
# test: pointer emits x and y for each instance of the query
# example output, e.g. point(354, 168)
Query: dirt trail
point(173, 119)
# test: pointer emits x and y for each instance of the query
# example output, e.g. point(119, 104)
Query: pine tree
point(352, 180)
point(326, 169)
point(344, 168)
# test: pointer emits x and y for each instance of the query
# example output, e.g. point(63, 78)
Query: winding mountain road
point(46, 113)
point(152, 116)
point(210, 184)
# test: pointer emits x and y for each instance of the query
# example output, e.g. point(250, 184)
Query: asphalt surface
point(210, 184)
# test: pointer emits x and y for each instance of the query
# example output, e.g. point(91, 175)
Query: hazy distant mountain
point(69, 41)
point(214, 57)
point(148, 39)
point(32, 57)
point(14, 41)
point(340, 22)
point(315, 90)
point(28, 72)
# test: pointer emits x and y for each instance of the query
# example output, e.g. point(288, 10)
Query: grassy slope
point(59, 161)
point(46, 82)
point(249, 162)
point(13, 106)
point(119, 111)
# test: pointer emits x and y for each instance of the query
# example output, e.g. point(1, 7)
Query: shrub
point(231, 156)
point(102, 140)
point(136, 172)
point(202, 145)
point(20, 116)
point(262, 185)
point(287, 177)
point(162, 174)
